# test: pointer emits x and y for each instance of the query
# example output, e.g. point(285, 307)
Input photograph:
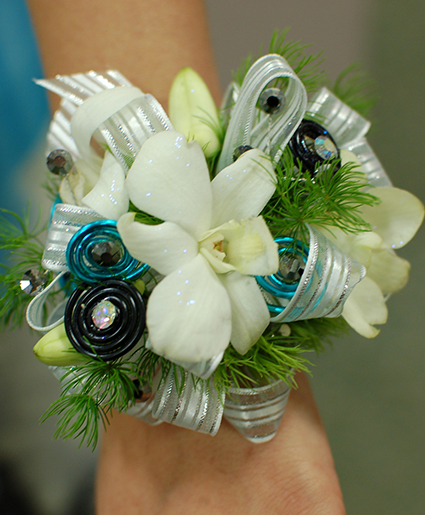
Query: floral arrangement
point(193, 259)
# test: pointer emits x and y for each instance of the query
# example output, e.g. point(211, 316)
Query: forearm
point(148, 42)
point(168, 470)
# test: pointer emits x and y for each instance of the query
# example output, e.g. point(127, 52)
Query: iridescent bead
point(325, 147)
point(33, 281)
point(103, 314)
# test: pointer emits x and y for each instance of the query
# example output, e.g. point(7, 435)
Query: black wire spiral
point(124, 332)
point(303, 146)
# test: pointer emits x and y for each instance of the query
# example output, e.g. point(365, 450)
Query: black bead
point(272, 101)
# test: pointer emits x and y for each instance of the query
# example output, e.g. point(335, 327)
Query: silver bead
point(60, 162)
point(33, 281)
point(272, 101)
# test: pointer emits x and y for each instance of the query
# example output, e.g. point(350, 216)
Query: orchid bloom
point(209, 248)
point(394, 222)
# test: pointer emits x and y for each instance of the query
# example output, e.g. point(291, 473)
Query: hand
point(169, 470)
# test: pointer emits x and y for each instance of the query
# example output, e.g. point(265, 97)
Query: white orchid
point(209, 248)
point(100, 188)
point(394, 222)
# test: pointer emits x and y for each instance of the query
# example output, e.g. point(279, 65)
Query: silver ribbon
point(273, 132)
point(183, 403)
point(348, 129)
point(124, 132)
point(328, 279)
point(35, 310)
point(256, 412)
point(66, 221)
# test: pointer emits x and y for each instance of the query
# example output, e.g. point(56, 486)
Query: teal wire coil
point(96, 252)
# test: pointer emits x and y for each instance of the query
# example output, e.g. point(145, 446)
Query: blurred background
point(371, 393)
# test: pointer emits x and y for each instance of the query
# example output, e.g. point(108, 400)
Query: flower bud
point(192, 110)
point(55, 349)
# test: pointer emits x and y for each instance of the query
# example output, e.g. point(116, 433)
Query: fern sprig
point(25, 251)
point(354, 87)
point(306, 66)
point(333, 199)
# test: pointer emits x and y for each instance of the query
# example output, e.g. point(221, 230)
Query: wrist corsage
point(194, 258)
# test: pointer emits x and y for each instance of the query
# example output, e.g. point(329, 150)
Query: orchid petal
point(350, 157)
point(189, 314)
point(251, 248)
point(242, 189)
point(388, 271)
point(250, 315)
point(169, 179)
point(109, 197)
point(164, 247)
point(219, 266)
point(365, 307)
point(192, 110)
point(397, 218)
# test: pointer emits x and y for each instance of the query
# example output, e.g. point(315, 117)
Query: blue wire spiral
point(278, 285)
point(80, 260)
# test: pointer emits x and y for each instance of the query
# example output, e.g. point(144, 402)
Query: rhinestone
point(33, 281)
point(272, 101)
point(325, 147)
point(103, 314)
point(291, 268)
point(107, 253)
point(59, 162)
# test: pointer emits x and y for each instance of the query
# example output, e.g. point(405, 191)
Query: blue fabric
point(23, 105)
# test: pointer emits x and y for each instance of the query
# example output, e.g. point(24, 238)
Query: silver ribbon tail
point(183, 403)
point(256, 412)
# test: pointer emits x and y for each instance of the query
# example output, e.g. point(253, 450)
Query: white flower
point(211, 244)
point(102, 189)
point(394, 222)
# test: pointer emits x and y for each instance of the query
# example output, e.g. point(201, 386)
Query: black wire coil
point(121, 336)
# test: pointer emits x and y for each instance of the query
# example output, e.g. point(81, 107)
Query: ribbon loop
point(197, 406)
point(328, 279)
point(273, 131)
point(256, 412)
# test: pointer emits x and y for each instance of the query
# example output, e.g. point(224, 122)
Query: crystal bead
point(33, 281)
point(325, 147)
point(107, 253)
point(291, 268)
point(103, 314)
point(60, 162)
point(272, 101)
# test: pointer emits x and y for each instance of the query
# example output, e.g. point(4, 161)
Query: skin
point(165, 469)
